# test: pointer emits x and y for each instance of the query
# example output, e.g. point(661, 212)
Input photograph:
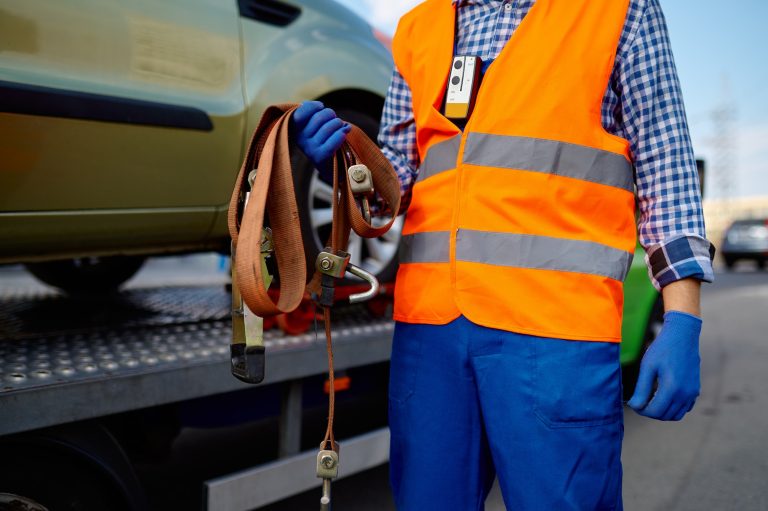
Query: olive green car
point(123, 125)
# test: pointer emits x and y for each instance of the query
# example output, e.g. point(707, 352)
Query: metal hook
point(369, 278)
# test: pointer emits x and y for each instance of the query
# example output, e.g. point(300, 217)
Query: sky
point(721, 51)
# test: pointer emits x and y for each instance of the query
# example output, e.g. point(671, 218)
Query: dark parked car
point(746, 239)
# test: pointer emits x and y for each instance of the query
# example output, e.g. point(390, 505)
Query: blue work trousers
point(468, 403)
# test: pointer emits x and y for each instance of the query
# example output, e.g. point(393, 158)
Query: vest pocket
point(576, 383)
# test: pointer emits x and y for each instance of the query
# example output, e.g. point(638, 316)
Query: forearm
point(683, 296)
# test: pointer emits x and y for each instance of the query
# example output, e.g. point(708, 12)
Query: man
point(519, 232)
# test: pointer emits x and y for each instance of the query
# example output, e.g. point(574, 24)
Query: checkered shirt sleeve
point(397, 136)
point(643, 104)
point(650, 106)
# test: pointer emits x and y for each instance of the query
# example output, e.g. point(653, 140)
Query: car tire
point(377, 255)
point(87, 275)
point(69, 468)
point(630, 372)
point(729, 262)
point(760, 264)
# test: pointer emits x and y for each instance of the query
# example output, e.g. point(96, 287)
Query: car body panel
point(29, 235)
point(177, 52)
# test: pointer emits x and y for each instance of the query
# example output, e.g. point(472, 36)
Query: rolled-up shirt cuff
point(680, 257)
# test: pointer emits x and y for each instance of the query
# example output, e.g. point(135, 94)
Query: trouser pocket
point(576, 383)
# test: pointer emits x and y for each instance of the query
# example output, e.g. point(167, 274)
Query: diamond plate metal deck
point(64, 359)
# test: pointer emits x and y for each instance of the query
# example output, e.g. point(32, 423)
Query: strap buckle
point(334, 265)
point(247, 351)
point(327, 469)
point(267, 246)
point(361, 185)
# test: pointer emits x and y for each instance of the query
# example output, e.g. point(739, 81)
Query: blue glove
point(318, 132)
point(673, 359)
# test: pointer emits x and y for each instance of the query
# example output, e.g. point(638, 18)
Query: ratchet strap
point(272, 195)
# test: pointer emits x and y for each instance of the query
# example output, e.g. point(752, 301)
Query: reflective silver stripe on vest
point(551, 157)
point(425, 247)
point(542, 252)
point(440, 157)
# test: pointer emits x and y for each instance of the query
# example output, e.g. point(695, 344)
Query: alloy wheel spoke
point(377, 249)
point(355, 249)
point(321, 190)
point(321, 217)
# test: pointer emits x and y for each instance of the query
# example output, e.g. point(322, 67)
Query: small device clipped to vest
point(463, 84)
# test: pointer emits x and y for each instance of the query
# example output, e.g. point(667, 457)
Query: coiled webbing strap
point(272, 195)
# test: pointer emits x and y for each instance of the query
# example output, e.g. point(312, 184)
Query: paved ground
point(715, 459)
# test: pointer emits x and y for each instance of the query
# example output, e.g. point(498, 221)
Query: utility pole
point(724, 147)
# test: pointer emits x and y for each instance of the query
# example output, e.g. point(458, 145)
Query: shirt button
point(507, 7)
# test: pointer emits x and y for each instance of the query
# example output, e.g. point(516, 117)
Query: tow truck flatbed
point(64, 360)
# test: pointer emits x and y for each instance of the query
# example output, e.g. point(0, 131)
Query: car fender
point(310, 61)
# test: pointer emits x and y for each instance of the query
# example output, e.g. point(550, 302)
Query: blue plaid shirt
point(642, 104)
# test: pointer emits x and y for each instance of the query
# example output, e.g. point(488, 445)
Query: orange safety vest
point(525, 220)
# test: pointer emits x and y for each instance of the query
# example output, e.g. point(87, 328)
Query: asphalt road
point(715, 459)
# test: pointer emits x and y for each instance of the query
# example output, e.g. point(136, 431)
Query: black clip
point(335, 266)
point(248, 362)
point(332, 266)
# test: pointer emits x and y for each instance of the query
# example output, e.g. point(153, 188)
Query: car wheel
point(630, 372)
point(69, 472)
point(11, 502)
point(729, 262)
point(87, 275)
point(375, 255)
point(760, 264)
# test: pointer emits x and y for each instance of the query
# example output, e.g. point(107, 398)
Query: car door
point(129, 111)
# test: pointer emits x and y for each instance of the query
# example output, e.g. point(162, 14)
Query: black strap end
point(248, 362)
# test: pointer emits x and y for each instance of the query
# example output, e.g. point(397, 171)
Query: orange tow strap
point(272, 195)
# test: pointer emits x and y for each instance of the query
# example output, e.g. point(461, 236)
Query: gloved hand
point(318, 132)
point(673, 359)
